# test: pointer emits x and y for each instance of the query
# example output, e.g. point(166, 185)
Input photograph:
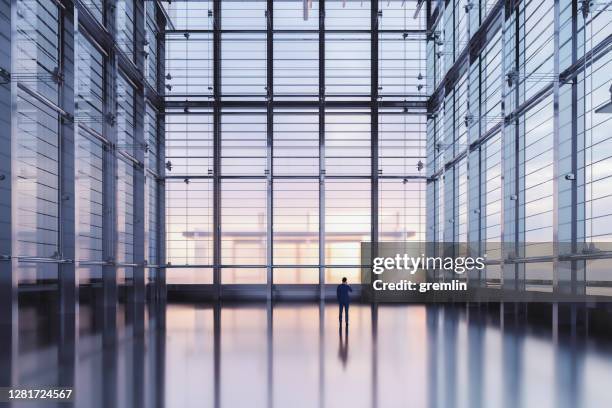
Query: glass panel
point(347, 144)
point(125, 115)
point(291, 15)
point(189, 144)
point(37, 188)
point(598, 279)
point(189, 66)
point(595, 160)
point(189, 216)
point(125, 27)
point(151, 32)
point(300, 276)
point(189, 14)
point(243, 227)
point(536, 47)
point(491, 184)
point(347, 65)
point(401, 15)
point(536, 152)
point(96, 8)
point(401, 210)
point(151, 223)
point(347, 224)
point(347, 15)
point(90, 86)
point(243, 66)
point(151, 186)
point(151, 140)
point(538, 276)
point(296, 223)
point(37, 60)
point(401, 144)
point(296, 143)
point(243, 144)
point(243, 15)
point(191, 276)
point(89, 184)
point(125, 212)
point(401, 66)
point(296, 66)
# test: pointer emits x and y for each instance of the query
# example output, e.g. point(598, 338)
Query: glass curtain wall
point(295, 131)
point(85, 134)
point(528, 99)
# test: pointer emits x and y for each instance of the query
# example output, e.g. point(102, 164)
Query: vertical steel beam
point(160, 276)
point(68, 284)
point(503, 159)
point(109, 229)
point(137, 295)
point(270, 148)
point(577, 227)
point(138, 271)
point(322, 150)
point(517, 152)
point(67, 272)
point(375, 17)
point(217, 148)
point(556, 278)
point(8, 265)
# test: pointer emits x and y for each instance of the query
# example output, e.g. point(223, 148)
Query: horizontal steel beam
point(254, 31)
point(296, 104)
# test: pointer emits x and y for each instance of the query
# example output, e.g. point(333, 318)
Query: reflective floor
point(294, 355)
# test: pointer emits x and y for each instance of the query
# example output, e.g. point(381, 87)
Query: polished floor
point(295, 355)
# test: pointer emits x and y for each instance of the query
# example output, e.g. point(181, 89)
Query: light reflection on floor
point(294, 355)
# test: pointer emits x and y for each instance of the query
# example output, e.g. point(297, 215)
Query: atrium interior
point(184, 184)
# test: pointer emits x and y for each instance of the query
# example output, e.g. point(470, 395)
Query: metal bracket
point(5, 76)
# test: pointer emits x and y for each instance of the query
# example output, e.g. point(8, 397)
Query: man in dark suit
point(342, 293)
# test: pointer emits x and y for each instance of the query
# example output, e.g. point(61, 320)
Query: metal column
point(138, 271)
point(217, 148)
point(67, 273)
point(270, 148)
point(375, 18)
point(160, 276)
point(322, 150)
point(109, 228)
point(8, 271)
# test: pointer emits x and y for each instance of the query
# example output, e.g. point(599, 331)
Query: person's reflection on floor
point(343, 345)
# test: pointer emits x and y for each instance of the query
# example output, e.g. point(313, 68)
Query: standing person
point(342, 293)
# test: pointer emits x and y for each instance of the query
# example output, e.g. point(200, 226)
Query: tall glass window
point(125, 115)
point(37, 70)
point(125, 13)
point(90, 120)
point(151, 31)
point(96, 8)
point(295, 128)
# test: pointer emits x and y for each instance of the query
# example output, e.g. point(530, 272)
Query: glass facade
point(295, 131)
point(83, 106)
point(524, 103)
point(229, 142)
